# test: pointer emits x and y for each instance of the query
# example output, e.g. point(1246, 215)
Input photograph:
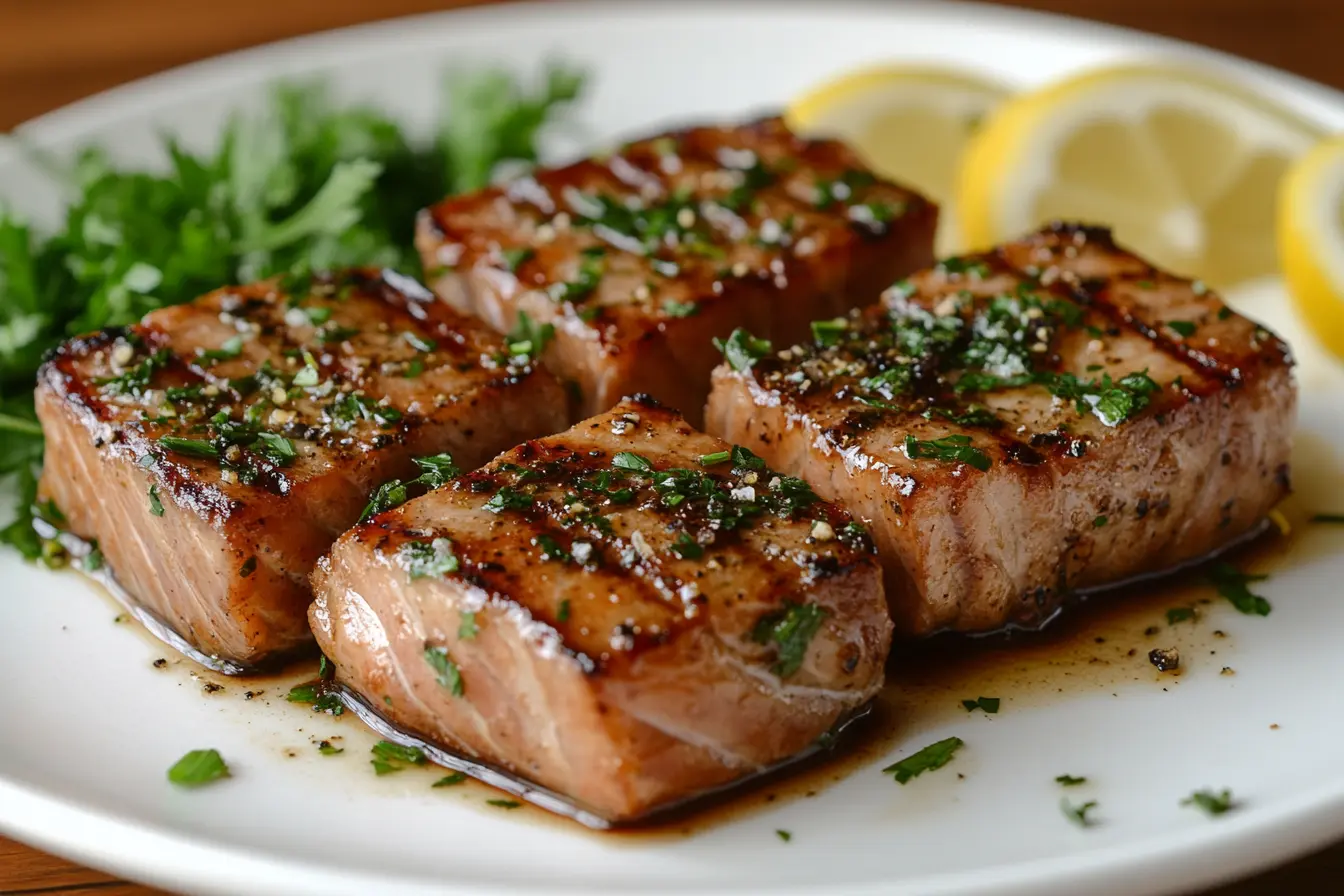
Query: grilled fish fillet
point(1051, 416)
point(639, 259)
point(216, 449)
point(628, 613)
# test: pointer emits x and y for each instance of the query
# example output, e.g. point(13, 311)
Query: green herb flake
point(953, 449)
point(467, 629)
point(197, 768)
point(227, 351)
point(714, 459)
point(1233, 584)
point(504, 804)
point(931, 758)
point(528, 338)
point(1078, 814)
point(446, 672)
point(562, 614)
point(189, 447)
point(428, 559)
point(786, 836)
point(1332, 518)
point(1184, 328)
point(326, 749)
point(389, 757)
point(1099, 522)
point(674, 308)
point(302, 693)
point(989, 704)
point(1069, 781)
point(792, 630)
point(93, 560)
point(829, 332)
point(452, 780)
point(1180, 614)
point(628, 460)
point(516, 258)
point(742, 350)
point(155, 505)
point(276, 448)
point(1212, 803)
point(686, 547)
point(508, 498)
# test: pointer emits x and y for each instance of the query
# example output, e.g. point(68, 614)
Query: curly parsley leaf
point(307, 184)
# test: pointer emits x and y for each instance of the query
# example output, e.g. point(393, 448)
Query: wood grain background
point(56, 51)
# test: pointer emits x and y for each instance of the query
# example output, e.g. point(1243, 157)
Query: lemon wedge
point(1311, 240)
point(1183, 164)
point(909, 123)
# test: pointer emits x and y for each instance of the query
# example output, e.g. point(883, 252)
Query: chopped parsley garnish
point(673, 308)
point(742, 350)
point(321, 702)
point(686, 547)
point(445, 670)
point(93, 560)
point(302, 693)
point(586, 279)
point(792, 630)
point(134, 380)
point(508, 498)
point(1233, 584)
point(1100, 521)
point(959, 266)
point(562, 614)
point(336, 334)
point(504, 804)
point(155, 505)
point(428, 559)
point(1078, 814)
point(190, 447)
point(931, 758)
point(389, 757)
point(317, 314)
point(989, 704)
point(227, 351)
point(628, 460)
point(786, 836)
point(275, 448)
point(197, 768)
point(451, 780)
point(466, 627)
point(1180, 614)
point(957, 449)
point(1184, 328)
point(551, 549)
point(435, 470)
point(516, 258)
point(1069, 781)
point(528, 338)
point(717, 457)
point(828, 332)
point(971, 415)
point(1211, 802)
point(326, 749)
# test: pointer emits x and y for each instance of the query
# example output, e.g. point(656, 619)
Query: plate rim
point(1245, 844)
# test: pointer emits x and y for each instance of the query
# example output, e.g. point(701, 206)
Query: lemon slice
point(908, 123)
point(1311, 240)
point(1184, 165)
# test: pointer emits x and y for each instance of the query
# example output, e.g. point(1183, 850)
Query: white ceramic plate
point(88, 726)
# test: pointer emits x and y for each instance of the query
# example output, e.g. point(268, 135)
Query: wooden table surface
point(55, 51)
